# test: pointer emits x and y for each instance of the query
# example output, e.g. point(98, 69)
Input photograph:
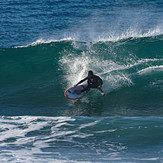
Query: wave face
point(35, 76)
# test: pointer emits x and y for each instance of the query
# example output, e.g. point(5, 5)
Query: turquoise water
point(48, 46)
point(35, 77)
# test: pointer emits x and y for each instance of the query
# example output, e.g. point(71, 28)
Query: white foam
point(150, 69)
point(27, 133)
point(45, 41)
point(75, 66)
point(112, 36)
point(106, 131)
point(57, 138)
point(89, 124)
point(17, 132)
point(129, 33)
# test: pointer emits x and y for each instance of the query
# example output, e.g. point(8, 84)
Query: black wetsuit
point(93, 82)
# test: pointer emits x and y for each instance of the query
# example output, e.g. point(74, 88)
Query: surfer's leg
point(99, 87)
point(102, 92)
point(87, 88)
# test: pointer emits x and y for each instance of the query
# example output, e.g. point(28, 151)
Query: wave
point(105, 138)
point(36, 76)
point(114, 36)
point(131, 33)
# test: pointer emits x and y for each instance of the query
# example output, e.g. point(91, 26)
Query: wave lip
point(129, 34)
point(113, 36)
point(44, 41)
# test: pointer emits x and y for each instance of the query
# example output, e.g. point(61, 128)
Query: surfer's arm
point(81, 81)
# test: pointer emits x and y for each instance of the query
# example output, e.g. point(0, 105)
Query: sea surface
point(47, 46)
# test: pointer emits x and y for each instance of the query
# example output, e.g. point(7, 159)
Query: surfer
point(93, 81)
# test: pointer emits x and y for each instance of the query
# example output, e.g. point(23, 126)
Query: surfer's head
point(90, 73)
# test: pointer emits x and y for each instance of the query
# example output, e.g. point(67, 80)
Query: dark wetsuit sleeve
point(82, 81)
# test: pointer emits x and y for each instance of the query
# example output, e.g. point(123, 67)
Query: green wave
point(36, 76)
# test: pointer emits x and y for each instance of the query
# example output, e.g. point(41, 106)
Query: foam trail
point(150, 69)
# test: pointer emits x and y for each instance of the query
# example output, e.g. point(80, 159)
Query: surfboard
point(72, 95)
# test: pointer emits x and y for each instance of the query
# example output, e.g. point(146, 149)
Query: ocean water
point(48, 46)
